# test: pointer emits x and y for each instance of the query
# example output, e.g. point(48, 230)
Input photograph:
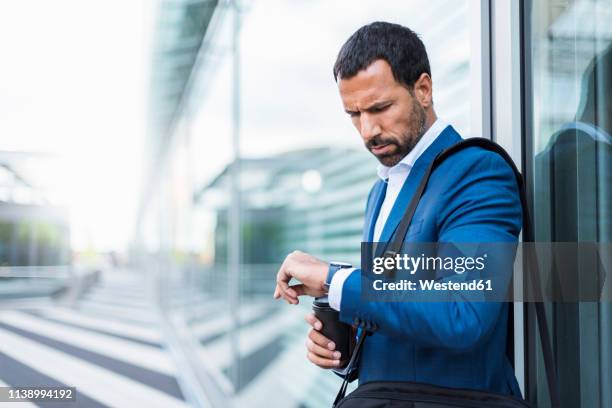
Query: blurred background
point(160, 158)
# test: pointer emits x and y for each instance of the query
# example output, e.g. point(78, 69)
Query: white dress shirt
point(394, 177)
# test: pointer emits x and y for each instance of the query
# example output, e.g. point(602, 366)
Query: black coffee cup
point(335, 330)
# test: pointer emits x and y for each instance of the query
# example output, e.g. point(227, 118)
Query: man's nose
point(369, 127)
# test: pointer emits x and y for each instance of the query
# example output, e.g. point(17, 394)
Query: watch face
point(341, 264)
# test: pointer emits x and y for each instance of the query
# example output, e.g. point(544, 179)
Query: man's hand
point(307, 269)
point(321, 350)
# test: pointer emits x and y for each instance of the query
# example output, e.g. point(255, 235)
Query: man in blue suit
point(385, 83)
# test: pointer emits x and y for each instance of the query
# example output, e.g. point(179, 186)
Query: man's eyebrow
point(374, 106)
point(378, 105)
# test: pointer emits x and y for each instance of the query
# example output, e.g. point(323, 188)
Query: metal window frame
point(480, 68)
point(497, 105)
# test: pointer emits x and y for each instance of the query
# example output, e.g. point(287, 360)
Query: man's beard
point(407, 142)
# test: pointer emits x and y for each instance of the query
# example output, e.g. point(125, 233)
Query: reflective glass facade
point(257, 159)
point(569, 160)
point(263, 161)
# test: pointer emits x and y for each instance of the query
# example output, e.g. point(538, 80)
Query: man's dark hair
point(398, 45)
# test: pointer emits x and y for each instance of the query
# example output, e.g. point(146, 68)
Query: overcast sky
point(72, 84)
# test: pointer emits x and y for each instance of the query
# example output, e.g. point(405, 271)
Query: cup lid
point(321, 301)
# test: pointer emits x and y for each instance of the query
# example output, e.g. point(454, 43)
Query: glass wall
point(568, 51)
point(33, 230)
point(263, 161)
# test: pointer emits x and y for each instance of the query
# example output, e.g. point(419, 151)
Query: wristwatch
point(333, 268)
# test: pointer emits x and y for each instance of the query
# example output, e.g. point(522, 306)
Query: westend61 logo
point(412, 264)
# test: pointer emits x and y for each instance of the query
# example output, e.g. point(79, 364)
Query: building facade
point(255, 158)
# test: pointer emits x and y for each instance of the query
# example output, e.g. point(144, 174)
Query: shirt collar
point(408, 161)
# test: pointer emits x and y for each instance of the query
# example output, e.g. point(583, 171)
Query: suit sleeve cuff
point(351, 298)
point(334, 296)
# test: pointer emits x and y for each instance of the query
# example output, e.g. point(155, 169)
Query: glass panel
point(569, 55)
point(35, 253)
point(303, 178)
point(305, 174)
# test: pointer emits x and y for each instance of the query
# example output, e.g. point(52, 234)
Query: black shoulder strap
point(394, 246)
point(351, 365)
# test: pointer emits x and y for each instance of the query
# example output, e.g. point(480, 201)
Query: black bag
point(387, 394)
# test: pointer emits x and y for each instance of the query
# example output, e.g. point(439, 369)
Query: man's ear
point(423, 90)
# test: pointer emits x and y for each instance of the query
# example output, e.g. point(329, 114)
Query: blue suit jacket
point(471, 197)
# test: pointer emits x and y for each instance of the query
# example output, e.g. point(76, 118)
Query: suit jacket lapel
point(378, 196)
point(447, 138)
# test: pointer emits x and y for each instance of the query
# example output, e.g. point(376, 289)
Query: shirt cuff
point(334, 296)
